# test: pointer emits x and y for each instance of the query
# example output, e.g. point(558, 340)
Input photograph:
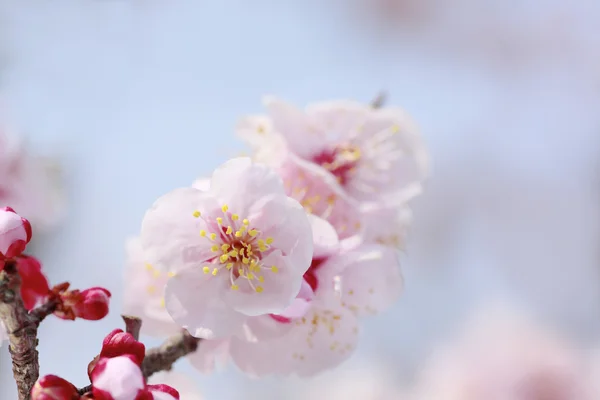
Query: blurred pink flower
point(237, 250)
point(29, 184)
point(505, 356)
point(375, 155)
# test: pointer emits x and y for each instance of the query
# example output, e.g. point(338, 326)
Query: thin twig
point(379, 101)
point(163, 357)
point(132, 325)
point(84, 390)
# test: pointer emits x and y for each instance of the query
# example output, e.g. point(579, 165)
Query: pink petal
point(388, 226)
point(194, 301)
point(321, 340)
point(202, 184)
point(341, 119)
point(301, 303)
point(239, 183)
point(144, 293)
point(302, 136)
point(283, 219)
point(210, 356)
point(163, 392)
point(373, 282)
point(325, 238)
point(170, 232)
point(278, 289)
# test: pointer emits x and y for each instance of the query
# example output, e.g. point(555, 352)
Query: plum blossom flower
point(51, 387)
point(375, 155)
point(29, 183)
point(118, 378)
point(347, 284)
point(237, 250)
point(505, 356)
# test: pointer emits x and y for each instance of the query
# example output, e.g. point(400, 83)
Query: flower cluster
point(115, 374)
point(15, 234)
point(275, 259)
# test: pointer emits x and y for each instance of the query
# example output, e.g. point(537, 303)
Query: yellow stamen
point(234, 287)
point(219, 220)
point(245, 260)
point(225, 247)
point(270, 240)
point(274, 269)
point(224, 208)
point(214, 248)
point(215, 271)
point(253, 232)
point(171, 274)
point(224, 258)
point(235, 217)
point(149, 267)
point(206, 270)
point(229, 266)
point(229, 230)
point(261, 279)
point(151, 289)
point(238, 234)
point(259, 289)
point(213, 236)
point(250, 275)
point(233, 253)
point(196, 214)
point(203, 233)
point(245, 221)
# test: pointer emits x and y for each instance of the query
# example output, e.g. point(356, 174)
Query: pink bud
point(119, 378)
point(160, 392)
point(15, 233)
point(93, 304)
point(51, 387)
point(118, 343)
point(34, 285)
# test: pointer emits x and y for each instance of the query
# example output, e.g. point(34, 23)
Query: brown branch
point(21, 327)
point(132, 325)
point(163, 357)
point(379, 101)
point(84, 390)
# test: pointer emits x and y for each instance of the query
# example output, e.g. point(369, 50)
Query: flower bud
point(51, 387)
point(118, 378)
point(119, 343)
point(15, 233)
point(93, 304)
point(166, 392)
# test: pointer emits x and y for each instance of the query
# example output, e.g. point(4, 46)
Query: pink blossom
point(15, 233)
point(346, 285)
point(375, 155)
point(501, 356)
point(51, 387)
point(237, 250)
point(387, 226)
point(29, 183)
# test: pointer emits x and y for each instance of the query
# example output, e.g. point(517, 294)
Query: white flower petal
point(193, 299)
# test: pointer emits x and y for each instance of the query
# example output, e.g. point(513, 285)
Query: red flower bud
point(34, 285)
point(119, 343)
point(93, 305)
point(15, 233)
point(51, 387)
point(163, 389)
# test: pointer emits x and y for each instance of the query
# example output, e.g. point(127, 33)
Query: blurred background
point(136, 97)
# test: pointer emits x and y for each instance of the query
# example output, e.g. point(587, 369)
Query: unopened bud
point(119, 343)
point(93, 305)
point(51, 387)
point(15, 233)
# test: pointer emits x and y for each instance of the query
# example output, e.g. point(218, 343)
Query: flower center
point(238, 249)
point(341, 161)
